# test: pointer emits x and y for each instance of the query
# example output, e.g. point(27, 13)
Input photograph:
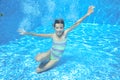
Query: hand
point(22, 31)
point(90, 10)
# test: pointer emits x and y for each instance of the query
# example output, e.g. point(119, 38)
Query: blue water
point(92, 51)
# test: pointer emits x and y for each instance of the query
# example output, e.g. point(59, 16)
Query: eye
point(61, 27)
point(56, 27)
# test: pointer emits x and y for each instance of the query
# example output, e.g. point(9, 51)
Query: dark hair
point(59, 21)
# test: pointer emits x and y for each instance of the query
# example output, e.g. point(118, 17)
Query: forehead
point(58, 25)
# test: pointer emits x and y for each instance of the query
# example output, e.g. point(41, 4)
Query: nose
point(59, 29)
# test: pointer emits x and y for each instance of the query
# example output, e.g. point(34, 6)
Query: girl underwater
point(50, 58)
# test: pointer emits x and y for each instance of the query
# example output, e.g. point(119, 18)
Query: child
point(51, 57)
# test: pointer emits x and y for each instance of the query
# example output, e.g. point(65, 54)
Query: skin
point(59, 35)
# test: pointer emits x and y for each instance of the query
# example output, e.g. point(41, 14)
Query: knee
point(40, 57)
point(37, 58)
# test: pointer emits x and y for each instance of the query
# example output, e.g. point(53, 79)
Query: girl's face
point(59, 28)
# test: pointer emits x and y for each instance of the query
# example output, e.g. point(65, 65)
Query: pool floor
point(92, 53)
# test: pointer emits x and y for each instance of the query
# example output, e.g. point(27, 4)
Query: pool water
point(92, 53)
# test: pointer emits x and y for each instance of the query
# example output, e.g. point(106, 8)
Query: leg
point(42, 56)
point(49, 65)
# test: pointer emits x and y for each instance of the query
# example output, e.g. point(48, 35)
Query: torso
point(58, 46)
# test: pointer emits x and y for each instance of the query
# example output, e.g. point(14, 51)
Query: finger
point(89, 7)
point(92, 6)
point(21, 33)
point(18, 30)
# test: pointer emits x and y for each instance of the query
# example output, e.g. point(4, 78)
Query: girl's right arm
point(23, 32)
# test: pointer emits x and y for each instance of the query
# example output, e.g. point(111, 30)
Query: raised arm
point(90, 10)
point(23, 32)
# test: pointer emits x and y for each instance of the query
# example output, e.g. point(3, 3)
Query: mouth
point(59, 33)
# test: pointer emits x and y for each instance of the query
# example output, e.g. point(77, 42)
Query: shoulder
point(66, 32)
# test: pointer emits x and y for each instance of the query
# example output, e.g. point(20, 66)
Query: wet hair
point(61, 21)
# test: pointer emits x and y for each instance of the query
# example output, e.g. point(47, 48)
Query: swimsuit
point(57, 49)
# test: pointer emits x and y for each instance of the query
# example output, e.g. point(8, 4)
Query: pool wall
point(30, 14)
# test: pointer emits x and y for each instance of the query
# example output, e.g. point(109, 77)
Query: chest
point(59, 39)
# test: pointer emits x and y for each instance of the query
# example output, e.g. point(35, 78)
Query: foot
point(39, 70)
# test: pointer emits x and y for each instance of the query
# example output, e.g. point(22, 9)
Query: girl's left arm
point(90, 10)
